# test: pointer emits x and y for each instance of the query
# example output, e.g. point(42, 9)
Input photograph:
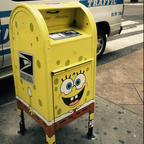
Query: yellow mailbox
point(54, 63)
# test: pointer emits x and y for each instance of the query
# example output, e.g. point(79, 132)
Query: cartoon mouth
point(73, 100)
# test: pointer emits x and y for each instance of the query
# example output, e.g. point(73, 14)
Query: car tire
point(101, 43)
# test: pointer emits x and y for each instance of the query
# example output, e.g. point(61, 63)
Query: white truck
point(107, 15)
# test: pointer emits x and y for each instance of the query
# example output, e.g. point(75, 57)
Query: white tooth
point(72, 98)
point(76, 96)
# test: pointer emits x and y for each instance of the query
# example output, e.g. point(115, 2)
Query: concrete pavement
point(113, 125)
point(121, 81)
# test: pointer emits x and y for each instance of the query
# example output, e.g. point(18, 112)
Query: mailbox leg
point(22, 122)
point(90, 134)
point(50, 140)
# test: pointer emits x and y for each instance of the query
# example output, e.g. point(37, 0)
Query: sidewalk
point(113, 125)
point(121, 82)
point(118, 110)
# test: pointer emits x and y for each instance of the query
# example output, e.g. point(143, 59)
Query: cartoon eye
point(66, 86)
point(79, 81)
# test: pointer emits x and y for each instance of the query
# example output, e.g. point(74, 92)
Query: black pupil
point(78, 82)
point(69, 85)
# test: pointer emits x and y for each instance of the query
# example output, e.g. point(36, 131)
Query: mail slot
point(54, 63)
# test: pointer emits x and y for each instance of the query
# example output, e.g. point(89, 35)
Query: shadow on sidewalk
point(7, 92)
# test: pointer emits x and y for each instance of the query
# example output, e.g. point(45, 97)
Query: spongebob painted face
point(72, 90)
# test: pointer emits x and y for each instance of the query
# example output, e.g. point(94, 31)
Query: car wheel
point(101, 43)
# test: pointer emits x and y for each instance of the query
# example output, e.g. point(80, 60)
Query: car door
point(1, 48)
point(5, 38)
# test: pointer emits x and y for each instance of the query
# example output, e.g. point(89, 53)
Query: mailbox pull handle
point(52, 12)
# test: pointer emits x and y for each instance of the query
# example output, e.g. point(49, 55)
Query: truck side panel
point(5, 38)
point(109, 11)
point(1, 51)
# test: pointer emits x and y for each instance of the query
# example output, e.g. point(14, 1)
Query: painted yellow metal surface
point(72, 88)
point(53, 77)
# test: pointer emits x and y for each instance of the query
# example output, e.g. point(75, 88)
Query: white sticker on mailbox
point(64, 34)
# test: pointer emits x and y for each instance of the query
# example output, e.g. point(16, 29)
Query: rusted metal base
point(50, 130)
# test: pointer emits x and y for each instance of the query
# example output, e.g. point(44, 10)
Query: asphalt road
point(132, 23)
point(133, 12)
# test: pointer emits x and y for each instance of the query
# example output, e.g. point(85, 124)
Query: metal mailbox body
point(54, 63)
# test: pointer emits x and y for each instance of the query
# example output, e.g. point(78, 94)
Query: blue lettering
point(93, 3)
point(3, 37)
point(5, 13)
point(106, 2)
point(98, 2)
point(112, 14)
point(120, 13)
point(116, 13)
point(110, 2)
point(102, 2)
